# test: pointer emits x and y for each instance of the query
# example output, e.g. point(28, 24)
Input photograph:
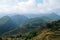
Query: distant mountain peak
point(53, 14)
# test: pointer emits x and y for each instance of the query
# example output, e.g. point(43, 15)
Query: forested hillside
point(51, 28)
point(10, 23)
point(24, 28)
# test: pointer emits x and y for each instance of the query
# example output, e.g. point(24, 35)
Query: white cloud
point(49, 5)
point(28, 6)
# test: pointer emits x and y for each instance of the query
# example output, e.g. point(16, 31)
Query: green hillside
point(21, 28)
point(29, 25)
point(6, 24)
point(49, 32)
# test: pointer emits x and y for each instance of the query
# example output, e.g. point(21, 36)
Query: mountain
point(56, 11)
point(25, 25)
point(29, 25)
point(2, 14)
point(10, 23)
point(53, 16)
point(40, 33)
point(31, 15)
point(19, 19)
point(34, 23)
point(6, 24)
point(34, 15)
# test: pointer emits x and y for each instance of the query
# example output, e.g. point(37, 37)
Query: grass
point(56, 38)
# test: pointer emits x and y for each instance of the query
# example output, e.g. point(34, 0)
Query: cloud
point(28, 6)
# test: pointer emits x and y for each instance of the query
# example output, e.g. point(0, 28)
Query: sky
point(28, 6)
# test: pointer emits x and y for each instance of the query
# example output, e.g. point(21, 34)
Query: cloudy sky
point(28, 6)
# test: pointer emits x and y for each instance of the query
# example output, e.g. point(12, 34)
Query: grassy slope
point(43, 35)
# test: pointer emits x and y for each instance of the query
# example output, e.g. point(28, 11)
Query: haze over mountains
point(27, 22)
point(32, 15)
point(9, 23)
point(29, 19)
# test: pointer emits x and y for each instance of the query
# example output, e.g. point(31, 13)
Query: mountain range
point(16, 24)
point(9, 23)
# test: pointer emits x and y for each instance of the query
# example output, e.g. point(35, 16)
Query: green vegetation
point(41, 33)
point(21, 28)
point(8, 24)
